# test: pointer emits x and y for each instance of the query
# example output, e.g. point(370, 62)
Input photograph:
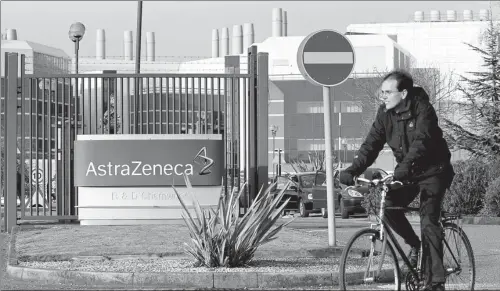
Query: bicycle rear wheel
point(367, 263)
point(458, 259)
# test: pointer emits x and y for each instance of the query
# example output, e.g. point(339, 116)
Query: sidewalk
point(126, 256)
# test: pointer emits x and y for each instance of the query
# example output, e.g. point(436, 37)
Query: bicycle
point(389, 274)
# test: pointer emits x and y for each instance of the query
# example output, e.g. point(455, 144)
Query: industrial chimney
point(11, 34)
point(100, 45)
point(451, 15)
point(237, 42)
point(435, 15)
point(248, 35)
point(215, 43)
point(468, 15)
point(285, 24)
point(224, 51)
point(277, 22)
point(483, 14)
point(418, 16)
point(150, 46)
point(128, 44)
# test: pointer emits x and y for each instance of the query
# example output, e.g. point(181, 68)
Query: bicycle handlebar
point(375, 182)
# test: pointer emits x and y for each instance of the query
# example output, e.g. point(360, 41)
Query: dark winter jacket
point(411, 130)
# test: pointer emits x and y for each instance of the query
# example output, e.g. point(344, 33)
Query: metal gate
point(41, 116)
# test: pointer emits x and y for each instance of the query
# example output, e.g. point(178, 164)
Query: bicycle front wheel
point(368, 263)
point(458, 259)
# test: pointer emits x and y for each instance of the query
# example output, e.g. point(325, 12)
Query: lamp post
point(278, 171)
point(76, 32)
point(340, 135)
point(345, 152)
point(274, 129)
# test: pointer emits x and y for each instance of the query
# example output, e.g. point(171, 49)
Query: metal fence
point(49, 117)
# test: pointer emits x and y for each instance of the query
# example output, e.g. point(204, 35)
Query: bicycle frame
point(391, 239)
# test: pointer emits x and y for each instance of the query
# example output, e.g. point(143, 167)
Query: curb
point(470, 220)
point(232, 280)
point(481, 220)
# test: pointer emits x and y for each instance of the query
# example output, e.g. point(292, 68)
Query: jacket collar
point(404, 105)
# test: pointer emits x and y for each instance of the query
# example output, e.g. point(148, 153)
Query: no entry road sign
point(326, 58)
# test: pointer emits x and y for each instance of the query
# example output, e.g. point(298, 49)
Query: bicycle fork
point(383, 238)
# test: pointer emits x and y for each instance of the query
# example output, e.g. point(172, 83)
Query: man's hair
point(403, 78)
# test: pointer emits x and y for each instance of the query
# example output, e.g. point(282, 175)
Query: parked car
point(299, 190)
point(347, 202)
point(281, 183)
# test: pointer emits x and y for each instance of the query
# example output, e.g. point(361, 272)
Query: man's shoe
point(413, 256)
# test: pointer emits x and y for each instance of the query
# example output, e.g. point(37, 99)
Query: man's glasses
point(386, 93)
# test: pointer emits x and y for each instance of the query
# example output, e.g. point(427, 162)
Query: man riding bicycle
point(408, 123)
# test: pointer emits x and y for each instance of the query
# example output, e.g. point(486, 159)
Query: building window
point(351, 106)
point(353, 144)
point(310, 107)
point(310, 144)
point(317, 107)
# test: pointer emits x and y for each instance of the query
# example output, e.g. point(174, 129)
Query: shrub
point(316, 162)
point(221, 238)
point(492, 199)
point(466, 193)
point(474, 190)
point(494, 169)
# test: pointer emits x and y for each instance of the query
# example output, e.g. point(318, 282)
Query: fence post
point(262, 100)
point(231, 122)
point(11, 75)
point(251, 169)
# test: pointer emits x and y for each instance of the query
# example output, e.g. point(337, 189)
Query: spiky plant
point(220, 238)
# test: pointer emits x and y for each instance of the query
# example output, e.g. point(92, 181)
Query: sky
point(184, 28)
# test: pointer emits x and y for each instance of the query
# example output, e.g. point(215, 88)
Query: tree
point(480, 135)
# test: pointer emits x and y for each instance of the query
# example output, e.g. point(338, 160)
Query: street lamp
point(345, 152)
point(76, 32)
point(274, 129)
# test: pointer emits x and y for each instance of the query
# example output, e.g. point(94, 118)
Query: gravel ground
point(272, 265)
point(63, 242)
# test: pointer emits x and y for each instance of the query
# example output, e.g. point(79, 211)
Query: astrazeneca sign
point(161, 162)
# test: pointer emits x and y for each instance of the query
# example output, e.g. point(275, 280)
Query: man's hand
point(401, 173)
point(346, 178)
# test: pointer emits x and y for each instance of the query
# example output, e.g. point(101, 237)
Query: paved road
point(484, 241)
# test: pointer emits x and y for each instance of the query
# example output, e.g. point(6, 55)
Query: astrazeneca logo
point(139, 168)
point(204, 161)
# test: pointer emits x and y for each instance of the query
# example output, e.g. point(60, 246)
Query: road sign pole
point(326, 58)
point(330, 200)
